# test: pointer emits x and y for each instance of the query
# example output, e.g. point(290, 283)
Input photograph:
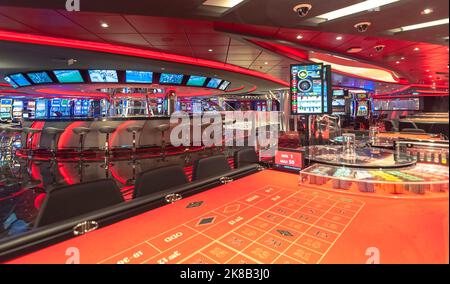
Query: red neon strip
point(235, 90)
point(130, 51)
point(378, 97)
point(252, 89)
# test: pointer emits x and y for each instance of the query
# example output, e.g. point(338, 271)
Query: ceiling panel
point(156, 25)
point(167, 39)
point(117, 24)
point(208, 39)
point(130, 39)
point(48, 21)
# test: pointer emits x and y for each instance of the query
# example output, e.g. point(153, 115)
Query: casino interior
point(353, 94)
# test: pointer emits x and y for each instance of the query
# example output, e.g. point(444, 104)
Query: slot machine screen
point(103, 76)
point(363, 109)
point(41, 109)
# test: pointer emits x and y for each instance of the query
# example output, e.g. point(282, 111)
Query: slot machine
point(41, 109)
point(17, 109)
point(361, 106)
point(6, 109)
point(55, 107)
point(30, 110)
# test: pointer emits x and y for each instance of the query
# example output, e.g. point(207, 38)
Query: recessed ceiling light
point(402, 58)
point(299, 37)
point(397, 62)
point(222, 3)
point(431, 76)
point(210, 50)
point(354, 9)
point(339, 38)
point(428, 70)
point(104, 25)
point(416, 49)
point(421, 25)
point(427, 11)
point(266, 63)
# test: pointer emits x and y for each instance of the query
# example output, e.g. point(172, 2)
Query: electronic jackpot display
point(17, 109)
point(307, 89)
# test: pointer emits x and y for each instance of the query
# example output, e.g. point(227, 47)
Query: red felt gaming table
point(268, 218)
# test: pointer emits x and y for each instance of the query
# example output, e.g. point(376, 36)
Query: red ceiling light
point(416, 49)
point(339, 38)
point(354, 50)
point(299, 37)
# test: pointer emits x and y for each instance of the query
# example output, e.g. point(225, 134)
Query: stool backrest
point(71, 201)
point(245, 157)
point(413, 130)
point(210, 167)
point(157, 180)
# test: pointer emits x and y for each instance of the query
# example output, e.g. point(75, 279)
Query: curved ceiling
point(189, 29)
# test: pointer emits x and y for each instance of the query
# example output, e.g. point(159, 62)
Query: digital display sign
point(196, 81)
point(20, 80)
point(175, 79)
point(139, 77)
point(224, 85)
point(307, 89)
point(68, 76)
point(103, 76)
point(214, 83)
point(40, 78)
point(289, 160)
point(11, 82)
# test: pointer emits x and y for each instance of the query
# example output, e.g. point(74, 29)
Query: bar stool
point(29, 141)
point(134, 130)
point(108, 130)
point(82, 132)
point(55, 133)
point(163, 128)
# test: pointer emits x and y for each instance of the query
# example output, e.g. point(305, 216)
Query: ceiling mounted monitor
point(20, 80)
point(196, 81)
point(11, 82)
point(40, 78)
point(143, 77)
point(214, 83)
point(68, 76)
point(224, 85)
point(174, 79)
point(103, 76)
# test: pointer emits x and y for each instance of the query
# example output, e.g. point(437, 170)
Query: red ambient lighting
point(130, 51)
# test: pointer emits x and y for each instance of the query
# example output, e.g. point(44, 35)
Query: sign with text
point(289, 160)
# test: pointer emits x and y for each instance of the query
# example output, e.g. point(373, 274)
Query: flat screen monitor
point(224, 85)
point(214, 83)
point(363, 109)
point(143, 77)
point(64, 102)
point(338, 93)
point(18, 103)
point(307, 89)
point(175, 79)
point(196, 81)
point(11, 82)
point(339, 102)
point(68, 76)
point(20, 80)
point(103, 76)
point(40, 78)
point(6, 102)
point(289, 160)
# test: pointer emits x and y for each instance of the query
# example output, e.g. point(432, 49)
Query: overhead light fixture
point(397, 62)
point(222, 3)
point(421, 26)
point(427, 11)
point(354, 9)
point(210, 50)
point(299, 37)
point(266, 63)
point(104, 25)
point(339, 38)
point(355, 50)
point(416, 49)
point(402, 58)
